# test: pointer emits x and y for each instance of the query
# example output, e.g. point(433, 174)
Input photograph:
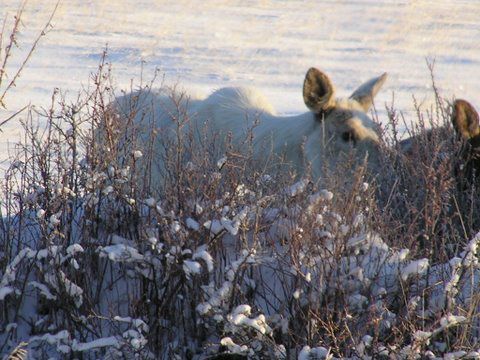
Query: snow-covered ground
point(268, 44)
point(304, 247)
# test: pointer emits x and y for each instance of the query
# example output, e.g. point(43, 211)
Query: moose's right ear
point(366, 92)
point(465, 119)
point(318, 91)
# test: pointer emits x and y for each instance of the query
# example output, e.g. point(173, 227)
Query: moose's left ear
point(318, 91)
point(366, 92)
point(465, 119)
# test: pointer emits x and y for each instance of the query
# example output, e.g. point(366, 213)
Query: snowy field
point(267, 44)
point(221, 258)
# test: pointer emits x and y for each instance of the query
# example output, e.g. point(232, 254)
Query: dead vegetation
point(226, 258)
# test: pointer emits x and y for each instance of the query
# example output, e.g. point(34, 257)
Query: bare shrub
point(9, 77)
point(425, 194)
point(228, 257)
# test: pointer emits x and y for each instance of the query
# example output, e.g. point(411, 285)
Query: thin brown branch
point(30, 52)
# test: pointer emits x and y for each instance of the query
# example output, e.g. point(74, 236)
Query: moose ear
point(318, 91)
point(365, 94)
point(465, 119)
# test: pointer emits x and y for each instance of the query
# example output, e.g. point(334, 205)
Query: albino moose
point(331, 128)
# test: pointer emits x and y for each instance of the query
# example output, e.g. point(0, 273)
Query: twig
point(32, 49)
point(11, 117)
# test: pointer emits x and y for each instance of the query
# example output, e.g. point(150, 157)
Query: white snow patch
point(308, 353)
point(232, 347)
point(297, 188)
point(221, 162)
point(43, 290)
point(63, 335)
point(98, 343)
point(137, 154)
point(202, 254)
point(416, 267)
point(120, 253)
point(192, 224)
point(74, 249)
point(215, 226)
point(4, 291)
point(191, 267)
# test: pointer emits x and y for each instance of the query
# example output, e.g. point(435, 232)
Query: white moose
point(332, 126)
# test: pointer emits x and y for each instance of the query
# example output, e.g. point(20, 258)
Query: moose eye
point(348, 136)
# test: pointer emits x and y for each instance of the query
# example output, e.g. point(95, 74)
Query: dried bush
point(227, 258)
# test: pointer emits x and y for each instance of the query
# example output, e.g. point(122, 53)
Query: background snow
point(268, 44)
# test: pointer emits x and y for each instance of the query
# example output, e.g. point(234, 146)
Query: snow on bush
point(225, 259)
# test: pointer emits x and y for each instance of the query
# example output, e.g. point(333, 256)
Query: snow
point(420, 335)
point(11, 270)
point(137, 154)
point(138, 323)
point(270, 45)
point(108, 190)
point(232, 226)
point(257, 323)
point(416, 267)
point(120, 252)
point(52, 339)
point(297, 188)
point(4, 291)
point(176, 227)
point(229, 225)
point(215, 226)
point(192, 224)
point(43, 290)
point(221, 162)
point(457, 355)
point(308, 353)
point(451, 320)
point(365, 270)
point(244, 309)
point(98, 343)
point(202, 254)
point(44, 253)
point(150, 202)
point(191, 267)
point(232, 347)
point(74, 249)
point(71, 288)
point(267, 44)
point(54, 220)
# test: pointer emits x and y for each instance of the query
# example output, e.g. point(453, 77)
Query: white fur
point(236, 110)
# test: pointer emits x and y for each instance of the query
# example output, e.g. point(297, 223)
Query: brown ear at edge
point(465, 119)
point(318, 91)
